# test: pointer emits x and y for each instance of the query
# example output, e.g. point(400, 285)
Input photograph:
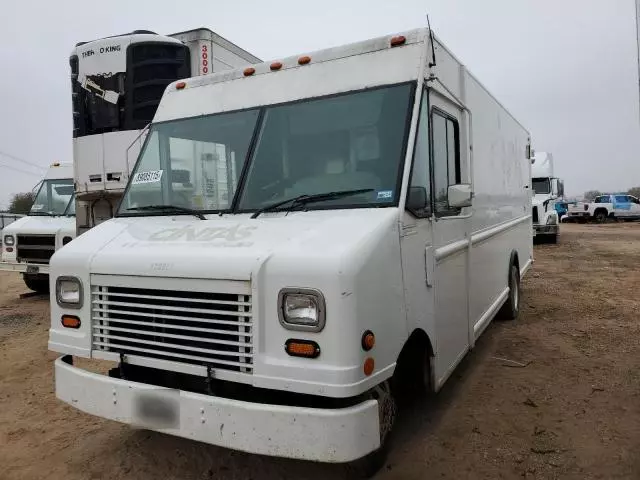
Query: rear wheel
point(511, 307)
point(600, 216)
point(36, 282)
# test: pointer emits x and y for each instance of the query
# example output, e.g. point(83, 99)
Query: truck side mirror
point(417, 199)
point(459, 195)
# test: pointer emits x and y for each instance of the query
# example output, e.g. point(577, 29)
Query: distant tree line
point(592, 194)
point(21, 203)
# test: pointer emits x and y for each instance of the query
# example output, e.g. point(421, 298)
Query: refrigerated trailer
point(380, 219)
point(117, 83)
point(30, 241)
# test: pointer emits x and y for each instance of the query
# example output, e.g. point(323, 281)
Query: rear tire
point(553, 239)
point(511, 307)
point(37, 282)
point(600, 216)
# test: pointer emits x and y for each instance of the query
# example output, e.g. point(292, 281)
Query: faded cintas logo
point(231, 236)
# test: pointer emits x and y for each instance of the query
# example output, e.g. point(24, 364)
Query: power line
point(22, 160)
point(22, 171)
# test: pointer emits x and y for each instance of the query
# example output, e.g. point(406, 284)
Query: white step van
point(372, 217)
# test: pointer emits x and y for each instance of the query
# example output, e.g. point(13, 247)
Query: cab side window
point(420, 187)
point(446, 160)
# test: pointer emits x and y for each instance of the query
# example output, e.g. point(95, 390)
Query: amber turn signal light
point(369, 365)
point(368, 340)
point(70, 321)
point(302, 348)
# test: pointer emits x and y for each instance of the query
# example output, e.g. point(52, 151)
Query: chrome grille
point(200, 328)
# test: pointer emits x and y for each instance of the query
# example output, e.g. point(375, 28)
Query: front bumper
point(326, 435)
point(24, 268)
point(545, 229)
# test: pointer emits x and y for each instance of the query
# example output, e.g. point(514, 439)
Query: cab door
point(621, 206)
point(451, 233)
point(635, 207)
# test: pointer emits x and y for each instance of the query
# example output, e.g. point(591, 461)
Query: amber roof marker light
point(275, 66)
point(180, 85)
point(398, 40)
point(304, 60)
point(249, 71)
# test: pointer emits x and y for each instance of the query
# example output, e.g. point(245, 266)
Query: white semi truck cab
point(546, 189)
point(299, 242)
point(29, 243)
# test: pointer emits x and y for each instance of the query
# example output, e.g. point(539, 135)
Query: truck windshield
point(71, 208)
point(353, 141)
point(53, 198)
point(541, 185)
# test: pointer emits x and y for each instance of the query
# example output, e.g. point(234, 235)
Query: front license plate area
point(157, 409)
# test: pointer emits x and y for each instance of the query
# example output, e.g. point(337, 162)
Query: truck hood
point(226, 248)
point(42, 225)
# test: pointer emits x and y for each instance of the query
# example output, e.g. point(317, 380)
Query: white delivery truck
point(29, 243)
point(547, 190)
point(379, 218)
point(6, 219)
point(117, 83)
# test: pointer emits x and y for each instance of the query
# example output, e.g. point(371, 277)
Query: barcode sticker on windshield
point(147, 177)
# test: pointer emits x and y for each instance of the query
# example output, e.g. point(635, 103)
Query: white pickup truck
point(620, 206)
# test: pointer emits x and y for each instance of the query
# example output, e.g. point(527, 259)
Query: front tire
point(37, 282)
point(511, 307)
point(600, 216)
point(370, 464)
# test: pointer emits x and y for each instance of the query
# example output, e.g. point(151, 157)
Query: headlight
point(69, 292)
point(9, 240)
point(301, 309)
point(552, 220)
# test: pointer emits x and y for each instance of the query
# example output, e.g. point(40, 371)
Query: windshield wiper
point(174, 208)
point(304, 199)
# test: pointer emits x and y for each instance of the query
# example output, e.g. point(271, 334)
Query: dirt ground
point(570, 409)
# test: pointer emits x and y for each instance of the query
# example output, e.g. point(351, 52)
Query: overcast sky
point(567, 69)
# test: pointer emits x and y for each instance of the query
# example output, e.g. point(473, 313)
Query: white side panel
point(542, 166)
point(501, 176)
point(101, 160)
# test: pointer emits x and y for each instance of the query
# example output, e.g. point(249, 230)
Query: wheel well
point(411, 353)
point(601, 209)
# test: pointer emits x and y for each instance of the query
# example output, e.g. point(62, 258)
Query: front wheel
point(370, 464)
point(37, 282)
